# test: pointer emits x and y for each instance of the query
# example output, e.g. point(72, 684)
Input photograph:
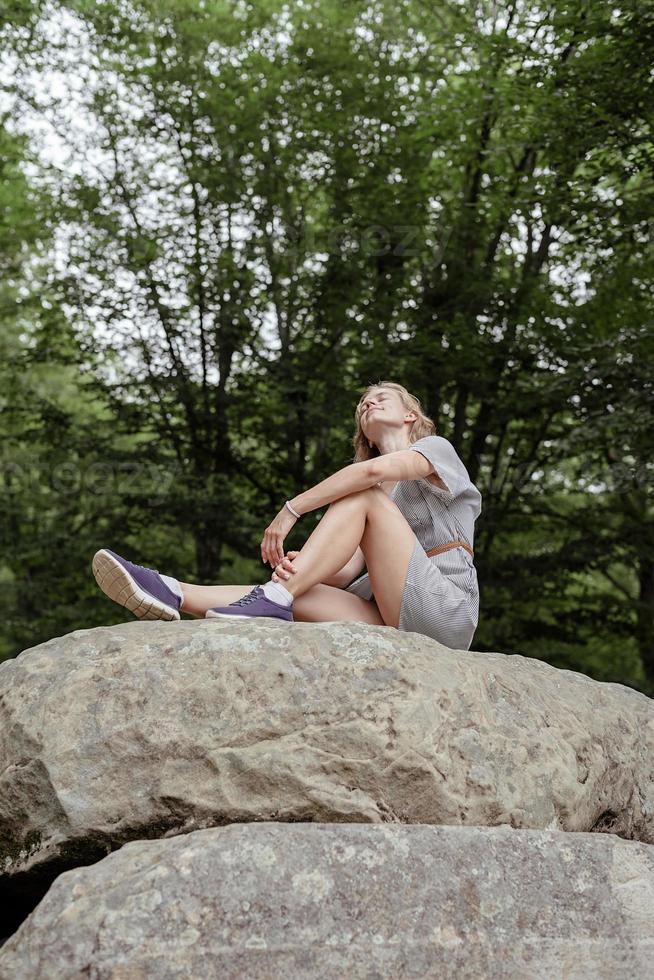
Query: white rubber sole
point(215, 615)
point(116, 582)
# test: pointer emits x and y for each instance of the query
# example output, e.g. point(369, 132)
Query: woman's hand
point(272, 545)
point(285, 569)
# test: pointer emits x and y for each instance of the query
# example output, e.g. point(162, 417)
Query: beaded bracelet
point(294, 512)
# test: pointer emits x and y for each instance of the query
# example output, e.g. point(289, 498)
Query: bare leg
point(369, 519)
point(331, 544)
point(327, 604)
point(320, 604)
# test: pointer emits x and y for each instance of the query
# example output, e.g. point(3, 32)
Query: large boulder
point(334, 901)
point(144, 730)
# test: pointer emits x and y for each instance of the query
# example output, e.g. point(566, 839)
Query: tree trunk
point(208, 548)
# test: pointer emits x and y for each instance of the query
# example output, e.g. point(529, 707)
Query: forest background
point(220, 220)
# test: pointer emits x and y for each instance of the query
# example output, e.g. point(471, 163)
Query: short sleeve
point(446, 463)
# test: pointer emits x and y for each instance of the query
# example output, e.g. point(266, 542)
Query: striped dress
point(441, 593)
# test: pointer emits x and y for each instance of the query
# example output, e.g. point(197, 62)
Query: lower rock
point(348, 900)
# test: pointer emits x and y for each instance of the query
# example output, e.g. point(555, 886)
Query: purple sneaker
point(255, 603)
point(139, 589)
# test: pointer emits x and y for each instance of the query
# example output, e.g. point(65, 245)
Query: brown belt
point(446, 547)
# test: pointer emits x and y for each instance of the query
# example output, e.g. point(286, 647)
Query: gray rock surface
point(325, 901)
point(143, 730)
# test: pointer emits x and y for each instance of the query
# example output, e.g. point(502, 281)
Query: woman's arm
point(405, 464)
point(349, 479)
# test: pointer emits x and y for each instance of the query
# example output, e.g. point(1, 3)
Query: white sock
point(277, 592)
point(172, 584)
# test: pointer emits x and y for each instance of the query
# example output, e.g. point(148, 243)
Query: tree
point(264, 208)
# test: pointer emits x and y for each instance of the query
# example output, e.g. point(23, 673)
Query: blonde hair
point(423, 425)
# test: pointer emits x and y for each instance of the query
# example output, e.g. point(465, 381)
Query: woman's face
point(381, 407)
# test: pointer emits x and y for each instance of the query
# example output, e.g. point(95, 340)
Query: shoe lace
point(250, 597)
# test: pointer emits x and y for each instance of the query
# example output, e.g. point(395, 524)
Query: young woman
point(405, 510)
